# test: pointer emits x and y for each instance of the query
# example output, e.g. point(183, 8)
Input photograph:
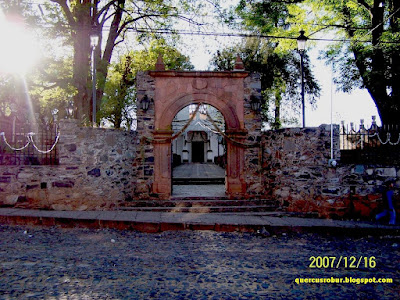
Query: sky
point(347, 107)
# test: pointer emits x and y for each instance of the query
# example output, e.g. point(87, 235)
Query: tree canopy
point(276, 60)
point(280, 76)
point(110, 20)
point(118, 101)
point(365, 48)
point(370, 55)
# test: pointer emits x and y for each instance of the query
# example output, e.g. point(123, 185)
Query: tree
point(119, 96)
point(280, 74)
point(275, 59)
point(110, 20)
point(371, 56)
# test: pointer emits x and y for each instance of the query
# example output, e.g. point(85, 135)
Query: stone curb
point(159, 222)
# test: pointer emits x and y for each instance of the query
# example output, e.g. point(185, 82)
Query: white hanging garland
point(388, 139)
point(11, 147)
point(29, 137)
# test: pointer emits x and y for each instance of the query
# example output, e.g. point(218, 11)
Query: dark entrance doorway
point(198, 152)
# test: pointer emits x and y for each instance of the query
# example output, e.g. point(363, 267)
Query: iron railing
point(373, 145)
point(22, 143)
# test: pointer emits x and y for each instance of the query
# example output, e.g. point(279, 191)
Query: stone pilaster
point(253, 150)
point(144, 162)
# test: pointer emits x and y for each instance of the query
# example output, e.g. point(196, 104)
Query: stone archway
point(171, 91)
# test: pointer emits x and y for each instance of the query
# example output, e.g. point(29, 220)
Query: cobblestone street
point(55, 263)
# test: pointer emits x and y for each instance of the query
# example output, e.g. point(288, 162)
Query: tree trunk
point(81, 72)
point(104, 61)
point(277, 117)
point(81, 68)
point(382, 70)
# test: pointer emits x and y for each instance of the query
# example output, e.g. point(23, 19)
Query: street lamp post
point(301, 46)
point(13, 108)
point(94, 40)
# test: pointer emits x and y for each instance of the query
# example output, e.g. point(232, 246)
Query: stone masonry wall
point(253, 149)
point(296, 173)
point(144, 161)
point(102, 168)
point(95, 172)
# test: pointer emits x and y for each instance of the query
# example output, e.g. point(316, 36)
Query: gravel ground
point(55, 263)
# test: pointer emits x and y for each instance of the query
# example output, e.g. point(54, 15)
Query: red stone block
point(248, 228)
point(200, 227)
point(226, 227)
point(172, 226)
point(25, 220)
point(146, 227)
point(120, 225)
point(75, 223)
point(47, 221)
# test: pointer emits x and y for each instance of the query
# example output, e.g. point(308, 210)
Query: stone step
point(193, 201)
point(202, 205)
point(209, 199)
point(203, 209)
point(197, 181)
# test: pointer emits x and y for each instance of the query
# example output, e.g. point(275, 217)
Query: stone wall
point(101, 168)
point(253, 148)
point(95, 172)
point(144, 161)
point(296, 173)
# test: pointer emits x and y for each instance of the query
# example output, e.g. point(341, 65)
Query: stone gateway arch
point(166, 93)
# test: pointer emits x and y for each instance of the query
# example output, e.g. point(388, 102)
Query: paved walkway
point(198, 170)
point(164, 221)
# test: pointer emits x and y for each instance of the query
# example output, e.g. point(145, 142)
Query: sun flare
point(19, 51)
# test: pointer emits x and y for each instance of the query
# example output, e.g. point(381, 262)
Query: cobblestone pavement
point(56, 263)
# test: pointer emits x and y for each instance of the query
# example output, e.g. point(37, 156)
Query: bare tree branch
point(67, 11)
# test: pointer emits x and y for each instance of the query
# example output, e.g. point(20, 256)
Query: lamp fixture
point(94, 40)
point(301, 46)
point(70, 110)
point(255, 103)
point(54, 113)
point(302, 41)
point(145, 103)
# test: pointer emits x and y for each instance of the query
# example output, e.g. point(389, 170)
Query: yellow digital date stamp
point(351, 262)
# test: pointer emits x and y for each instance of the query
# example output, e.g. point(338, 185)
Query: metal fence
point(373, 145)
point(22, 143)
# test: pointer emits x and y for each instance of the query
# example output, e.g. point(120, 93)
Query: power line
point(233, 34)
point(245, 35)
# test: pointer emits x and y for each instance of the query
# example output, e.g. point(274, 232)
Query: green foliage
point(118, 102)
point(143, 60)
point(52, 85)
point(370, 57)
point(280, 76)
point(274, 58)
point(73, 21)
point(9, 87)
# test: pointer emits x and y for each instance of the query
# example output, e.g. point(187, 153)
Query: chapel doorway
point(197, 152)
